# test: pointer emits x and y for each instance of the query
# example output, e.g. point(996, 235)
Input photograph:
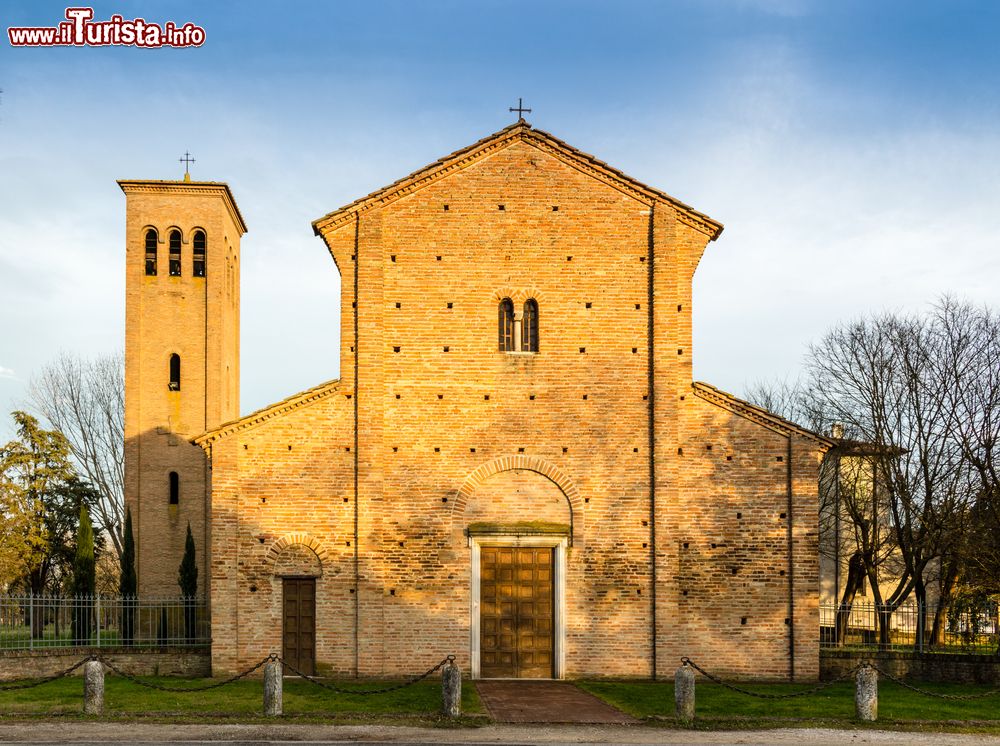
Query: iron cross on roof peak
point(521, 111)
point(187, 160)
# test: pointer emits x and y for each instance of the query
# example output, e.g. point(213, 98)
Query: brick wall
point(961, 669)
point(24, 665)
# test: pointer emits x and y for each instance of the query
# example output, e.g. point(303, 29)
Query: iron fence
point(35, 622)
point(914, 627)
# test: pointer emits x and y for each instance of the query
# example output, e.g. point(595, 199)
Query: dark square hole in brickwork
point(354, 257)
point(645, 545)
point(569, 259)
point(440, 396)
point(520, 450)
point(438, 257)
point(680, 451)
point(787, 621)
point(734, 570)
point(447, 349)
point(354, 304)
point(437, 450)
point(743, 620)
point(352, 349)
point(399, 305)
point(680, 352)
point(347, 499)
point(565, 449)
point(395, 349)
point(739, 516)
point(589, 304)
point(348, 544)
point(444, 499)
point(780, 459)
point(348, 396)
point(472, 450)
point(263, 500)
point(708, 447)
point(395, 449)
point(451, 305)
point(501, 207)
point(392, 591)
point(642, 258)
point(684, 593)
point(392, 257)
point(729, 458)
point(446, 208)
point(245, 447)
point(638, 591)
point(398, 396)
point(586, 499)
point(486, 397)
point(782, 573)
point(783, 516)
point(347, 449)
point(555, 208)
point(531, 397)
point(645, 523)
point(289, 448)
point(351, 590)
point(400, 544)
point(682, 398)
point(585, 397)
point(685, 545)
point(253, 589)
point(680, 308)
point(635, 350)
point(583, 349)
point(638, 306)
point(713, 546)
point(260, 539)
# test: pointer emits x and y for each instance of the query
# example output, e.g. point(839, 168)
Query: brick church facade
point(514, 466)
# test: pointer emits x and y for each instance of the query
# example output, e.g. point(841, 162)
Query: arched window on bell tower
point(151, 240)
point(505, 325)
point(175, 253)
point(175, 373)
point(529, 326)
point(200, 245)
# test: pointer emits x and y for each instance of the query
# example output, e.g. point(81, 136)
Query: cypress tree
point(187, 578)
point(84, 578)
point(128, 583)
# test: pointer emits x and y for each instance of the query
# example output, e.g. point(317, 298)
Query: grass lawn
point(241, 698)
point(836, 703)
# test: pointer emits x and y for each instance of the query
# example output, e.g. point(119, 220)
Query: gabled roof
point(757, 414)
point(255, 418)
point(520, 131)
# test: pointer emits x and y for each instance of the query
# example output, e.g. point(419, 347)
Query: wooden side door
point(298, 625)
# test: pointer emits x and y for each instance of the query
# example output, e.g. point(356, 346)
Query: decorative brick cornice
point(757, 414)
point(295, 401)
point(200, 188)
point(518, 132)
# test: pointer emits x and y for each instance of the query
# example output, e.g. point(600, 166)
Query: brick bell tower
point(182, 363)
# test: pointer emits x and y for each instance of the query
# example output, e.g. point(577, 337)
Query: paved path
point(545, 702)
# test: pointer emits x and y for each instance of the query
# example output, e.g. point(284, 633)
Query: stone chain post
point(272, 688)
point(451, 690)
point(93, 688)
point(866, 694)
point(684, 693)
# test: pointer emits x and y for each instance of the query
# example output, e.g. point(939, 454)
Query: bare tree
point(85, 400)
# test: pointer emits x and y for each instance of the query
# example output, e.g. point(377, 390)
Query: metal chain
point(812, 690)
point(905, 685)
point(365, 692)
point(47, 679)
point(162, 688)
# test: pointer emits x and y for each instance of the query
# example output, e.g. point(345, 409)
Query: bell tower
point(182, 363)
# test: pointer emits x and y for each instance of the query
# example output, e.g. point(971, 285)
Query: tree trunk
point(941, 612)
point(855, 579)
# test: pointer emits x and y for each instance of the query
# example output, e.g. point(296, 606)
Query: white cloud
point(7, 373)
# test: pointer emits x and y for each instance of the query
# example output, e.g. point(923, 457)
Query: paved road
point(101, 734)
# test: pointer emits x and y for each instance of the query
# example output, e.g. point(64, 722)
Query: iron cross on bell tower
point(521, 111)
point(187, 160)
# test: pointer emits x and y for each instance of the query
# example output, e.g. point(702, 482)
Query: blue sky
point(851, 149)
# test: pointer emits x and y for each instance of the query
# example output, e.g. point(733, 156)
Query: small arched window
point(175, 488)
point(505, 325)
point(175, 373)
point(529, 326)
point(175, 253)
point(151, 239)
point(199, 254)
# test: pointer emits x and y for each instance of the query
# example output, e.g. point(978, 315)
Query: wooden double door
point(516, 612)
point(298, 624)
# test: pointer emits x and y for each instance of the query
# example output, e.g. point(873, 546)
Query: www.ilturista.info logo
point(79, 30)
